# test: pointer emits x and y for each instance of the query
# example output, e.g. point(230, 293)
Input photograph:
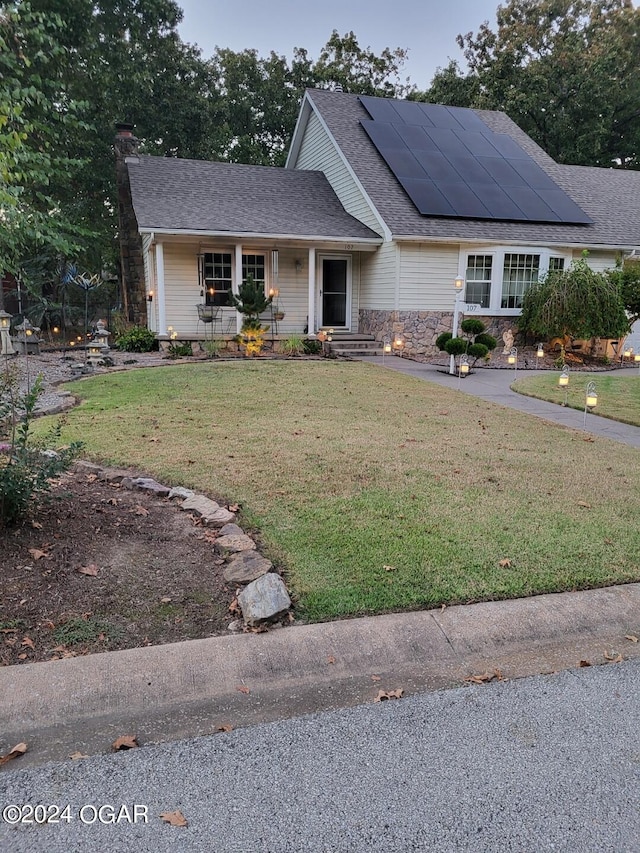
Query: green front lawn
point(618, 393)
point(374, 490)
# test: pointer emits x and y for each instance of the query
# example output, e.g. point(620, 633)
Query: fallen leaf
point(376, 678)
point(165, 599)
point(27, 641)
point(486, 677)
point(23, 656)
point(383, 695)
point(18, 750)
point(242, 689)
point(234, 607)
point(226, 727)
point(506, 563)
point(91, 570)
point(331, 659)
point(140, 510)
point(389, 568)
point(14, 630)
point(443, 607)
point(631, 637)
point(113, 501)
point(584, 663)
point(614, 657)
point(234, 507)
point(125, 742)
point(584, 504)
point(75, 756)
point(37, 525)
point(154, 439)
point(174, 818)
point(37, 554)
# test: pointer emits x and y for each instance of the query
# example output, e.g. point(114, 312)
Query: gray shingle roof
point(611, 197)
point(197, 196)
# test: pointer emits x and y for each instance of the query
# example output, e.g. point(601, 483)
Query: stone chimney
point(131, 260)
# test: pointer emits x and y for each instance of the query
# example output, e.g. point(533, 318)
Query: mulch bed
point(99, 567)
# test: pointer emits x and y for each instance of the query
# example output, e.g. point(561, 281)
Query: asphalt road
point(548, 763)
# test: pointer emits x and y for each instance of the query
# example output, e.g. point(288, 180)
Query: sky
point(428, 28)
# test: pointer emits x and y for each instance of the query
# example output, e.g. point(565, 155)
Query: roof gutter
point(260, 235)
point(499, 241)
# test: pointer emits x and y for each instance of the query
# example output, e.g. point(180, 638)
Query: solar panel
point(451, 163)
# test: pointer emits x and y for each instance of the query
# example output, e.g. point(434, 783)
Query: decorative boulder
point(265, 598)
point(246, 567)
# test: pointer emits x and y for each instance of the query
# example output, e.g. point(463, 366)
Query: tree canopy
point(566, 71)
point(33, 116)
point(71, 69)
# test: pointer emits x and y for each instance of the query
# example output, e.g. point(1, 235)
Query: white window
point(498, 278)
point(217, 273)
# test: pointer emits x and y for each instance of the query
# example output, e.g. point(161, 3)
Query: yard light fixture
point(463, 368)
point(386, 348)
point(563, 382)
point(591, 399)
point(512, 358)
point(55, 330)
point(627, 352)
point(150, 296)
point(459, 290)
point(398, 342)
point(539, 351)
point(5, 337)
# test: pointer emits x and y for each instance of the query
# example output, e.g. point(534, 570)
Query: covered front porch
point(189, 280)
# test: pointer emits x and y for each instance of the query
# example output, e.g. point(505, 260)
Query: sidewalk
point(494, 385)
point(189, 689)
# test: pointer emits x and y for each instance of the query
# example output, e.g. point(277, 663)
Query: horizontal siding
point(427, 276)
point(182, 292)
point(599, 261)
point(318, 152)
point(378, 278)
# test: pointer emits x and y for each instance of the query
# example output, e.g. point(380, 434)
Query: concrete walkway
point(494, 385)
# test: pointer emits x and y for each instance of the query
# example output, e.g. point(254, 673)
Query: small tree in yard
point(477, 343)
point(574, 303)
point(251, 302)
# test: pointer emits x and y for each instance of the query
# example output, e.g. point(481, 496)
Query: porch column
point(236, 282)
point(160, 294)
point(311, 322)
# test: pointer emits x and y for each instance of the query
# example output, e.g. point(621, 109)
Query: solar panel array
point(451, 163)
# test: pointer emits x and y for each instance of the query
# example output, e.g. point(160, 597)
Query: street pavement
point(550, 763)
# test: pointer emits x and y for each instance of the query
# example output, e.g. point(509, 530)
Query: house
point(381, 206)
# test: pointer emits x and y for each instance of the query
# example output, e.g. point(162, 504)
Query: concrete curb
point(189, 689)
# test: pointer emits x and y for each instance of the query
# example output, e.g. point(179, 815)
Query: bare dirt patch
point(100, 567)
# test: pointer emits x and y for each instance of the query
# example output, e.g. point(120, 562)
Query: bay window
point(498, 279)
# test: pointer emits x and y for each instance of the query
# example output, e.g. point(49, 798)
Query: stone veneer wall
point(420, 329)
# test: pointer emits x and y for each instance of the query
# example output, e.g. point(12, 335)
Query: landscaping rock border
point(233, 551)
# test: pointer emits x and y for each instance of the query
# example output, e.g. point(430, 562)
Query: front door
point(335, 292)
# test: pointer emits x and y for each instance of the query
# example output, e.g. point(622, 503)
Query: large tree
point(34, 113)
point(566, 71)
point(259, 97)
